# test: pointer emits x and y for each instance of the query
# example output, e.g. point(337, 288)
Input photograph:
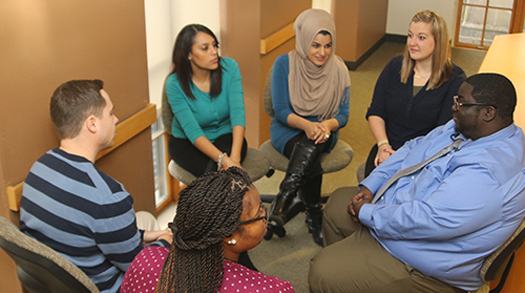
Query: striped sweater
point(82, 213)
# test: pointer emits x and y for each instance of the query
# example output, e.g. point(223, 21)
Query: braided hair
point(209, 209)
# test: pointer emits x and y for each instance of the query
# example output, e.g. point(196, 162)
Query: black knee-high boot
point(311, 194)
point(302, 163)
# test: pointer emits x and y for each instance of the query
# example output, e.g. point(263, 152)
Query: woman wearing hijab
point(310, 96)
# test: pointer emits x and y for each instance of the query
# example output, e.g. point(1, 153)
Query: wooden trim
point(277, 39)
point(458, 25)
point(159, 134)
point(126, 130)
point(132, 126)
point(518, 17)
point(14, 194)
point(172, 183)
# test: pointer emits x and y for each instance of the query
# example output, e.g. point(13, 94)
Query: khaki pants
point(146, 221)
point(354, 261)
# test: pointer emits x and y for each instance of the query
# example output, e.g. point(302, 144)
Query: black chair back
point(40, 268)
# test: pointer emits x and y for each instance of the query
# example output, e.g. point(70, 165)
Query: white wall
point(400, 12)
point(164, 20)
point(322, 4)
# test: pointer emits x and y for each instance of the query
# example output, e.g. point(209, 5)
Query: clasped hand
point(228, 162)
point(364, 196)
point(151, 236)
point(317, 132)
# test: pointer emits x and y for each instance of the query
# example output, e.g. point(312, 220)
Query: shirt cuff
point(160, 242)
point(365, 214)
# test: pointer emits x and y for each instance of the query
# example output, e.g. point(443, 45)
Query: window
point(159, 162)
point(480, 21)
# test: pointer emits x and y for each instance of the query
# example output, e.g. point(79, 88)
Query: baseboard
point(402, 39)
point(352, 65)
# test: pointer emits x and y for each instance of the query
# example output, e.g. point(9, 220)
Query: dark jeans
point(190, 158)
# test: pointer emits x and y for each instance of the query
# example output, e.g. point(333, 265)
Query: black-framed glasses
point(460, 104)
point(263, 209)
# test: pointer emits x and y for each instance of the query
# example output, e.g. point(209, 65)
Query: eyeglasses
point(262, 208)
point(459, 104)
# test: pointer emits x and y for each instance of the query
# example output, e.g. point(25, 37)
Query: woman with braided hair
point(219, 216)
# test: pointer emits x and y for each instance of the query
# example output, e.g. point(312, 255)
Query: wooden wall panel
point(243, 24)
point(45, 43)
point(360, 24)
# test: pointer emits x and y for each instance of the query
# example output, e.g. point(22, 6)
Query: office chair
point(340, 156)
point(498, 263)
point(41, 269)
point(255, 163)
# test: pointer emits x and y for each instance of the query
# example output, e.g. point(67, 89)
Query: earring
point(232, 241)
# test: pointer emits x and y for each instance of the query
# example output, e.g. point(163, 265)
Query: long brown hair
point(441, 57)
point(209, 209)
point(182, 66)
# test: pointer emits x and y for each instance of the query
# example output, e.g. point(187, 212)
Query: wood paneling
point(360, 24)
point(243, 25)
point(277, 39)
point(45, 43)
point(125, 131)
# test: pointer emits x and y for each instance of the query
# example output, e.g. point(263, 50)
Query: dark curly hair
point(209, 209)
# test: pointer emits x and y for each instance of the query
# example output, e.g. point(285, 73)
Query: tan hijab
point(315, 91)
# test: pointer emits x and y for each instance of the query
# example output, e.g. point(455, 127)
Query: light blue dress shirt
point(446, 218)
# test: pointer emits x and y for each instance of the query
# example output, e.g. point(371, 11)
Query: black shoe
point(311, 194)
point(272, 229)
point(314, 224)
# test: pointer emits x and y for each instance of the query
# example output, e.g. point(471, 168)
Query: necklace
point(419, 76)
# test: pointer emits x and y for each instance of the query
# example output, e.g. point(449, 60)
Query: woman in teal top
point(206, 96)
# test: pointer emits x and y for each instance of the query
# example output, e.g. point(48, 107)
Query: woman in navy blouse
point(414, 93)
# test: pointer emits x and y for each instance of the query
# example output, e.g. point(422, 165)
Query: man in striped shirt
point(72, 206)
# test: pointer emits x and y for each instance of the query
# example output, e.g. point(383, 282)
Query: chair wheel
point(269, 233)
point(279, 231)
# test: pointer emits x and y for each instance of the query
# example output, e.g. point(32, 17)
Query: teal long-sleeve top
point(206, 116)
point(280, 131)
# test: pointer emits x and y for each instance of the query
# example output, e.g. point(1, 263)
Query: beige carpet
point(288, 258)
